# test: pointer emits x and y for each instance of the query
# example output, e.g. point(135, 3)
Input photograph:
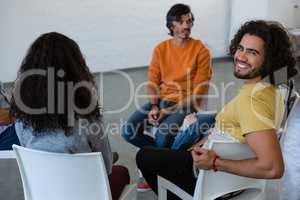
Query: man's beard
point(252, 74)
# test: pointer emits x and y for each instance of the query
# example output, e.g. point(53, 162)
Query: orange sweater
point(5, 116)
point(180, 72)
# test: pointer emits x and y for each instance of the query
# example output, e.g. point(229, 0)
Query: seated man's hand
point(4, 117)
point(153, 115)
point(203, 158)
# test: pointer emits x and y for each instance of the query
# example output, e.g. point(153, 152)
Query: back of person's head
point(278, 48)
point(51, 86)
point(175, 13)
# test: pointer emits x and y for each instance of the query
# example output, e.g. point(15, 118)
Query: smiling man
point(252, 117)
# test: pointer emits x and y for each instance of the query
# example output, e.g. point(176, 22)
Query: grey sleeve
point(99, 142)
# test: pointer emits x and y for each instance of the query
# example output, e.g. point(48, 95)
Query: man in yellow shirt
point(259, 49)
point(178, 75)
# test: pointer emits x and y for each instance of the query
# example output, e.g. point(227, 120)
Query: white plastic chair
point(58, 176)
point(290, 102)
point(211, 185)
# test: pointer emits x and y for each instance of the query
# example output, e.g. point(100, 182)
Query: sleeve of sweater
point(154, 73)
point(203, 73)
point(99, 142)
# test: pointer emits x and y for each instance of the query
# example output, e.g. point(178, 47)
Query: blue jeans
point(8, 138)
point(133, 130)
point(195, 131)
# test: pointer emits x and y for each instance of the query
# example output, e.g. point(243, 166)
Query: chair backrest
point(289, 184)
point(211, 185)
point(58, 176)
point(292, 102)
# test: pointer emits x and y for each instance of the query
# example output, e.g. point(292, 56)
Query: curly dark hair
point(56, 52)
point(175, 13)
point(278, 48)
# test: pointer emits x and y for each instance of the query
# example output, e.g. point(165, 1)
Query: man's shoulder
point(261, 92)
point(194, 42)
point(163, 44)
point(199, 43)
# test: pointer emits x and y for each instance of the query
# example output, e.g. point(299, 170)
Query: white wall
point(117, 34)
point(242, 11)
point(285, 11)
point(113, 34)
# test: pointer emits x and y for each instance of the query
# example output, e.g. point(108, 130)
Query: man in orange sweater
point(178, 75)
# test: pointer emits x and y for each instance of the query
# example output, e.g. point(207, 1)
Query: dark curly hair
point(175, 13)
point(56, 52)
point(278, 48)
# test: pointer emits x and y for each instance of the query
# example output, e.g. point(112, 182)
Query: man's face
point(182, 28)
point(249, 57)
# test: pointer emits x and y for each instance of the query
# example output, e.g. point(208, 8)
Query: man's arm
point(202, 77)
point(153, 93)
point(268, 163)
point(154, 77)
point(154, 80)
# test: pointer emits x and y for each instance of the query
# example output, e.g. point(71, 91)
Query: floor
point(117, 92)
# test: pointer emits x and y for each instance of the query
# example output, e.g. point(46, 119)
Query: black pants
point(173, 165)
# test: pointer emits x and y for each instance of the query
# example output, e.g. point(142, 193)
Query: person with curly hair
point(56, 107)
point(252, 117)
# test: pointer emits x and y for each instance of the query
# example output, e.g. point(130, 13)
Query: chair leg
point(162, 193)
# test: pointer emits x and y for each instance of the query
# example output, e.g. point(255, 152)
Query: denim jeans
point(8, 137)
point(133, 130)
point(195, 131)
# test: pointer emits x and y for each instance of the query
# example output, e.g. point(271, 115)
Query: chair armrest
point(164, 185)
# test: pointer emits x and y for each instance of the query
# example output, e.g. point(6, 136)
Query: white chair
point(289, 184)
point(58, 176)
point(291, 101)
point(211, 185)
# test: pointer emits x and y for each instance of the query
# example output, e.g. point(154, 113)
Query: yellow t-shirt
point(257, 107)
